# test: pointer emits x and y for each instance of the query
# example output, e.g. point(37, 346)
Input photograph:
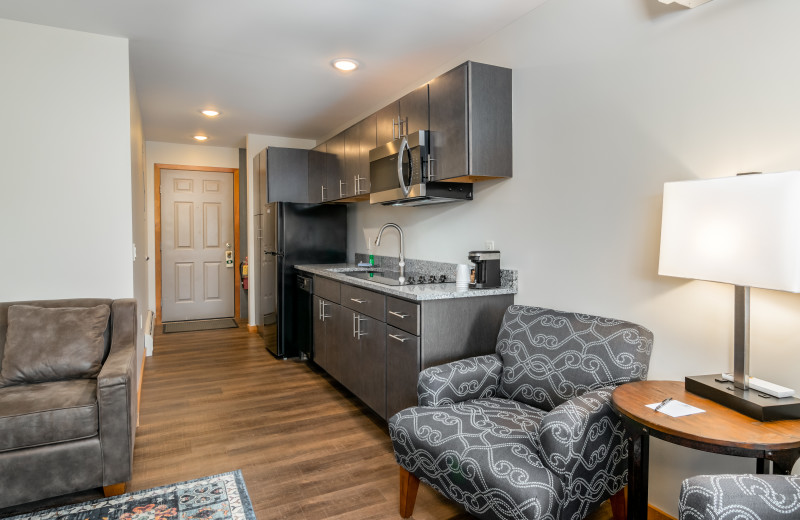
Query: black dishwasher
point(303, 323)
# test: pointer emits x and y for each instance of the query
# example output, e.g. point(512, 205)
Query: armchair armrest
point(583, 441)
point(116, 395)
point(759, 496)
point(458, 381)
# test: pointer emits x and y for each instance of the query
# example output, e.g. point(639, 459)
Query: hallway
point(216, 401)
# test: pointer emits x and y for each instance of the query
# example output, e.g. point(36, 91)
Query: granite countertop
point(431, 291)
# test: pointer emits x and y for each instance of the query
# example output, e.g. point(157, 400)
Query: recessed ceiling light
point(210, 113)
point(200, 138)
point(345, 64)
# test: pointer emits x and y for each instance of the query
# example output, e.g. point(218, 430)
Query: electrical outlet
point(489, 245)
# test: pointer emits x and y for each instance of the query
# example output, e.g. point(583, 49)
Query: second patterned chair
point(528, 432)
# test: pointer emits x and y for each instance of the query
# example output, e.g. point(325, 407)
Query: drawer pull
point(357, 300)
point(398, 338)
point(399, 315)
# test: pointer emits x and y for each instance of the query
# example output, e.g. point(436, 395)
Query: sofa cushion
point(551, 356)
point(53, 344)
point(47, 413)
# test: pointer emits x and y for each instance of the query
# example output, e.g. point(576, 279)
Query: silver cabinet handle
point(357, 326)
point(360, 333)
point(393, 127)
point(341, 193)
point(322, 314)
point(398, 338)
point(431, 175)
point(357, 300)
point(399, 315)
point(357, 184)
point(322, 194)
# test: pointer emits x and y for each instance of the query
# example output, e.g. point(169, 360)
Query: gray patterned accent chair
point(67, 397)
point(528, 432)
point(740, 497)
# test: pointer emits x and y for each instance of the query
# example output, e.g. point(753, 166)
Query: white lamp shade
point(742, 230)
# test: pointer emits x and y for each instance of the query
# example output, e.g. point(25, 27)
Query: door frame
point(237, 280)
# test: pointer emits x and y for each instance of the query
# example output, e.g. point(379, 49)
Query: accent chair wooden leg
point(114, 489)
point(408, 492)
point(619, 505)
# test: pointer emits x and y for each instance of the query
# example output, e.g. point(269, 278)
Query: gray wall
point(612, 99)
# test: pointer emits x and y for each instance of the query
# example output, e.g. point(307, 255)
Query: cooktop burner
point(393, 277)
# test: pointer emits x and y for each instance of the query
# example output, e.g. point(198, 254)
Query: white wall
point(611, 100)
point(139, 228)
point(65, 186)
point(184, 155)
point(256, 143)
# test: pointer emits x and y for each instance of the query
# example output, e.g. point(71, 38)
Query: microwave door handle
point(403, 148)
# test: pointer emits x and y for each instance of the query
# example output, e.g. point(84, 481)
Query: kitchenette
point(373, 322)
point(374, 334)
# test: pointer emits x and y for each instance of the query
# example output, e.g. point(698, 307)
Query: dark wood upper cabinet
point(336, 180)
point(470, 124)
point(317, 174)
point(408, 114)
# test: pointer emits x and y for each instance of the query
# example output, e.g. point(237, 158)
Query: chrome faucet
point(402, 263)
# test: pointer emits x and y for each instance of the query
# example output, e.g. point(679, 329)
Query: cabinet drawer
point(327, 289)
point(403, 315)
point(364, 301)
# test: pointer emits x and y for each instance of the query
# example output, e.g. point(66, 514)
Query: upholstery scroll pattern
point(552, 356)
point(740, 497)
point(460, 380)
point(528, 433)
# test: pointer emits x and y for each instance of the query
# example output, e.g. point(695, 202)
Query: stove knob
point(431, 279)
point(410, 280)
point(442, 278)
point(421, 279)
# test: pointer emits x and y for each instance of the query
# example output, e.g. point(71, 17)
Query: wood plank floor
point(215, 401)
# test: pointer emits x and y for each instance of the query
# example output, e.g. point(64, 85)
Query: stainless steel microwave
point(398, 175)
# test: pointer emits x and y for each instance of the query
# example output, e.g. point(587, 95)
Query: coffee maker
point(487, 269)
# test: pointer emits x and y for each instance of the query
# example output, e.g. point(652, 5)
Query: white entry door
point(196, 234)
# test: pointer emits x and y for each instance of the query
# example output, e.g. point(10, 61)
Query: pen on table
point(665, 401)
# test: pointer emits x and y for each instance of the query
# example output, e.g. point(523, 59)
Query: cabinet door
point(448, 118)
point(402, 370)
point(287, 171)
point(321, 310)
point(367, 132)
point(414, 110)
point(386, 120)
point(348, 350)
point(372, 370)
point(317, 177)
point(335, 168)
point(352, 155)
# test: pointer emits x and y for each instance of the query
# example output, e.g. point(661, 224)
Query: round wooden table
point(718, 430)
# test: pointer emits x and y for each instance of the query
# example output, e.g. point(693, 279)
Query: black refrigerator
point(294, 234)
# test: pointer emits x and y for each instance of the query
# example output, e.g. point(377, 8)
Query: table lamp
point(745, 231)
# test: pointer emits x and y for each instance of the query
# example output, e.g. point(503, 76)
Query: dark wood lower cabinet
point(376, 345)
point(372, 340)
point(402, 370)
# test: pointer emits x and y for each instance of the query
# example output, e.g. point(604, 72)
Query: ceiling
point(265, 64)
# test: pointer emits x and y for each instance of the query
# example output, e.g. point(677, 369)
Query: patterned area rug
point(219, 497)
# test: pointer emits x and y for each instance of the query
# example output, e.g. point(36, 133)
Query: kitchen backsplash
point(508, 277)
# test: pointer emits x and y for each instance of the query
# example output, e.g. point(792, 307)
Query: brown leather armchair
point(67, 397)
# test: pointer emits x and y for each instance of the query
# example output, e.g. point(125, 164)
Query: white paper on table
point(676, 408)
